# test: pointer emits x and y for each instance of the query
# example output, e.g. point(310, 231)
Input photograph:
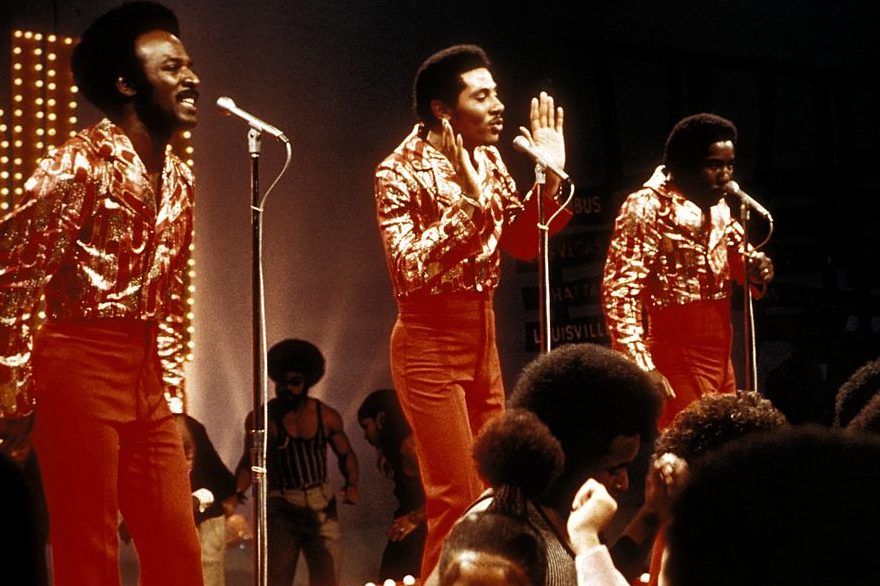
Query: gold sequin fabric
point(431, 244)
point(664, 252)
point(92, 236)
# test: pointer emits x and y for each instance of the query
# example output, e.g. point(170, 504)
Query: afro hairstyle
point(587, 395)
point(295, 356)
point(714, 420)
point(790, 507)
point(106, 50)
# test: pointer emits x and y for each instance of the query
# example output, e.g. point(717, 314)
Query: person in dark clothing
point(385, 428)
point(790, 507)
point(497, 542)
point(24, 517)
point(213, 487)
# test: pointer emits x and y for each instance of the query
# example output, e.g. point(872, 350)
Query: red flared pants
point(446, 370)
point(107, 442)
point(690, 345)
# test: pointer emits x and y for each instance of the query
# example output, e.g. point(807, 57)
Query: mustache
point(188, 93)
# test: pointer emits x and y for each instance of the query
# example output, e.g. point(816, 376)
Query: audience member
point(591, 511)
point(519, 458)
point(702, 427)
point(23, 537)
point(600, 407)
point(791, 507)
point(858, 400)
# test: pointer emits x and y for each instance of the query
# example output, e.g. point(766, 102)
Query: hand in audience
point(591, 511)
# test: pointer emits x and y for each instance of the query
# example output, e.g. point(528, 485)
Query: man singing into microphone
point(445, 205)
point(673, 253)
point(103, 233)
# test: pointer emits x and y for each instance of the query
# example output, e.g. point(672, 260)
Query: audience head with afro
point(790, 507)
point(598, 405)
point(519, 458)
point(715, 420)
point(857, 406)
point(295, 366)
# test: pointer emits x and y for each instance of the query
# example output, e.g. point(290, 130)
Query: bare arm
point(348, 464)
point(243, 468)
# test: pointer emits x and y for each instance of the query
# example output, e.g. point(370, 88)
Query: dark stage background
point(800, 79)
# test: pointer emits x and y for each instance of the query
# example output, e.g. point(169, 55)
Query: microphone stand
point(260, 390)
point(543, 263)
point(751, 366)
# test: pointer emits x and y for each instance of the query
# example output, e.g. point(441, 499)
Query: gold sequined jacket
point(92, 237)
point(662, 253)
point(431, 245)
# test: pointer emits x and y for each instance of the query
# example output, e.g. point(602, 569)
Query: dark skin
point(300, 420)
point(402, 526)
point(161, 101)
point(159, 104)
point(611, 470)
point(704, 186)
point(476, 119)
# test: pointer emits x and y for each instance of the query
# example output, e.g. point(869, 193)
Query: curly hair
point(106, 50)
point(714, 420)
point(439, 78)
point(517, 456)
point(689, 139)
point(857, 405)
point(794, 506)
point(295, 356)
point(587, 395)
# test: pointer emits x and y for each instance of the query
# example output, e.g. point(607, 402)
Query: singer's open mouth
point(188, 97)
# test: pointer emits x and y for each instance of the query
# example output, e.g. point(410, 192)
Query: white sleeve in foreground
point(595, 568)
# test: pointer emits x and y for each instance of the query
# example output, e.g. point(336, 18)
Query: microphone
point(732, 187)
point(227, 106)
point(523, 145)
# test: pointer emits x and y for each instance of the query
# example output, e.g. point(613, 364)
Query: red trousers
point(447, 374)
point(690, 345)
point(108, 443)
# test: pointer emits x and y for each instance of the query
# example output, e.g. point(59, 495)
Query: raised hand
point(546, 121)
point(452, 146)
point(591, 511)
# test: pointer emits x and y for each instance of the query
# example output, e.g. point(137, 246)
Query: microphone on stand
point(227, 106)
point(732, 188)
point(523, 145)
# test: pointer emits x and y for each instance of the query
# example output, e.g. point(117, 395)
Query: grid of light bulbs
point(43, 113)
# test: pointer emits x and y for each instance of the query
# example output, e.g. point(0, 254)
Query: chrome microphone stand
point(260, 388)
point(749, 344)
point(544, 334)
